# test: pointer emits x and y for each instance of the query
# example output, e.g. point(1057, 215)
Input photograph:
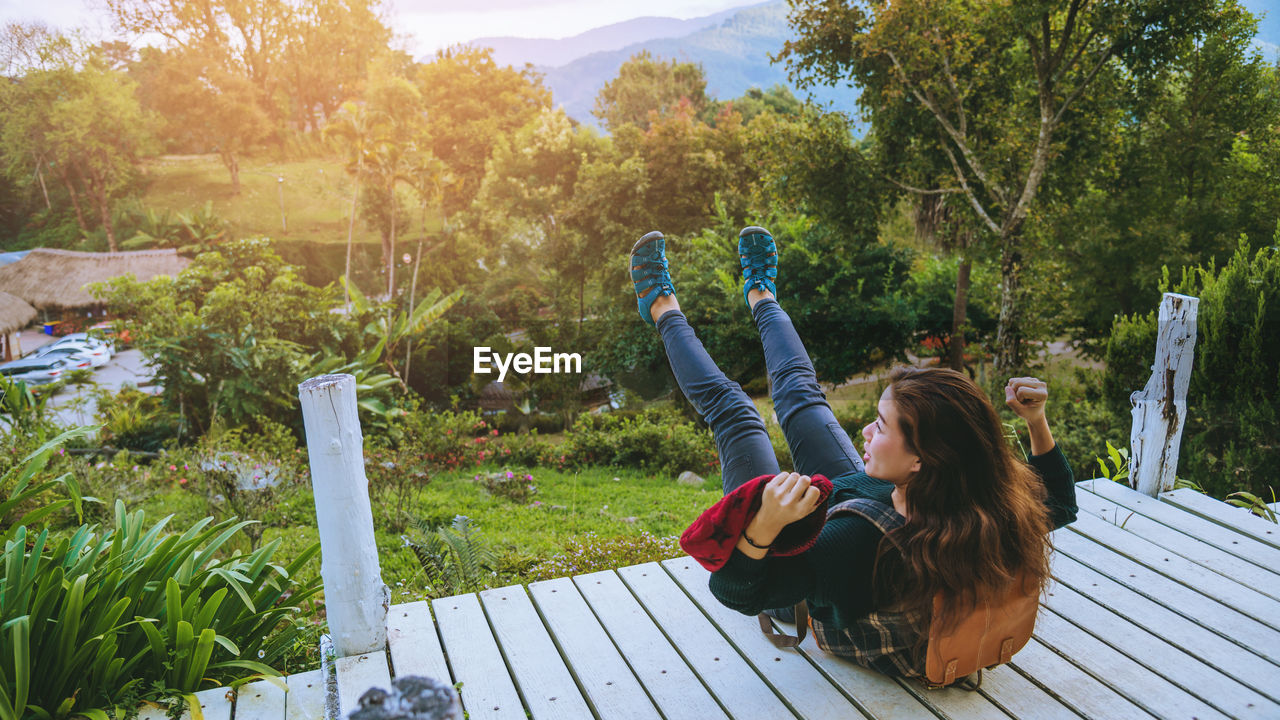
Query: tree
point(330, 49)
point(471, 102)
point(84, 126)
point(206, 106)
point(1191, 165)
point(991, 87)
point(646, 88)
point(355, 130)
point(527, 203)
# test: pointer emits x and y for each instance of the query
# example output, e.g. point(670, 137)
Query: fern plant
point(455, 559)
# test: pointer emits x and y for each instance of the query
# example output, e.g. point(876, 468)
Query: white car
point(77, 358)
point(97, 351)
point(38, 370)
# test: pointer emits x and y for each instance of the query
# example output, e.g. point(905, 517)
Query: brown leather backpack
point(986, 637)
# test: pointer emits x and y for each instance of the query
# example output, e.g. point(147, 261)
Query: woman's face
point(886, 456)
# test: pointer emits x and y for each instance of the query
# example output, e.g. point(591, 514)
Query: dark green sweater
point(834, 576)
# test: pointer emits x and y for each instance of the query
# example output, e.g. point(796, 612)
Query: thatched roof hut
point(55, 279)
point(15, 313)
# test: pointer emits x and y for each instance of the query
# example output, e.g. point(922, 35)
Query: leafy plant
point(24, 408)
point(94, 618)
point(455, 559)
point(1254, 504)
point(1118, 470)
point(24, 479)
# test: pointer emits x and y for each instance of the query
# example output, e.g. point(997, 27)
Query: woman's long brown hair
point(976, 513)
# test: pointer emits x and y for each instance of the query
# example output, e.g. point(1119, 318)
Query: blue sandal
point(649, 272)
point(759, 257)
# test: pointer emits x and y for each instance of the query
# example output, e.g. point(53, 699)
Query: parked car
point(77, 358)
point(98, 351)
point(37, 370)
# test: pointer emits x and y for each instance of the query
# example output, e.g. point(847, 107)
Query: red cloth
point(711, 538)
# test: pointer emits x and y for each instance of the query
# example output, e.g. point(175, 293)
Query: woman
point(975, 517)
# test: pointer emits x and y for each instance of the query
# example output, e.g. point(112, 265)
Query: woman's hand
point(1027, 396)
point(788, 497)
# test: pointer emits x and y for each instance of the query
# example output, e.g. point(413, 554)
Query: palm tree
point(354, 130)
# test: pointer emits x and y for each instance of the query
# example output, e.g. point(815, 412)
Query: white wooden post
point(1160, 409)
point(356, 599)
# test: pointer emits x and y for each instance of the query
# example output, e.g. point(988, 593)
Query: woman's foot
point(655, 295)
point(759, 258)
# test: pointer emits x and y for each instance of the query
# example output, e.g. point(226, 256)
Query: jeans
point(817, 442)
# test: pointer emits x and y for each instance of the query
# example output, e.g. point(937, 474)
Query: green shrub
point(655, 441)
point(1084, 418)
point(1231, 439)
point(590, 552)
point(527, 449)
point(134, 420)
point(94, 618)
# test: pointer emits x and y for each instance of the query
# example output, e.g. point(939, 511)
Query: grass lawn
point(317, 195)
point(608, 502)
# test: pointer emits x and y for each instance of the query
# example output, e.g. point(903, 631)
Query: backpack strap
point(883, 516)
point(877, 513)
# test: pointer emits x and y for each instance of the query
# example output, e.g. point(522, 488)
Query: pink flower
point(173, 467)
point(182, 481)
point(510, 475)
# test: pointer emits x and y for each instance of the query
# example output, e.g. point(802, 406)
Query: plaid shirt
point(892, 643)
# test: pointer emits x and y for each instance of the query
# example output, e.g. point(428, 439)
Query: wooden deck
point(1167, 608)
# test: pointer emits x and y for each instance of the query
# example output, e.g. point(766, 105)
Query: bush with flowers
point(514, 485)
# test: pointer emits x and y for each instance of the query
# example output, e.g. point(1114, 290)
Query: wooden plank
point(800, 684)
point(1183, 669)
point(611, 688)
point(1193, 603)
point(733, 682)
point(476, 664)
point(261, 700)
point(670, 681)
point(1149, 690)
point(1236, 518)
point(356, 675)
point(1021, 698)
point(1174, 541)
point(1255, 609)
point(545, 685)
point(1191, 636)
point(305, 700)
point(415, 648)
point(1074, 687)
point(876, 695)
point(1204, 530)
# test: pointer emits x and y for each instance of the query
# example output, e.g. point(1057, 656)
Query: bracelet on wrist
point(753, 543)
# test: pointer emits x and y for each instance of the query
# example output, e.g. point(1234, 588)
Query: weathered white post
point(1160, 409)
point(356, 599)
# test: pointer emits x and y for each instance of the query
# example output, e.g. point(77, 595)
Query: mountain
point(556, 52)
point(733, 53)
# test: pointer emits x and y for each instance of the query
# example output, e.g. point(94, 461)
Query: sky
point(430, 24)
point(426, 25)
